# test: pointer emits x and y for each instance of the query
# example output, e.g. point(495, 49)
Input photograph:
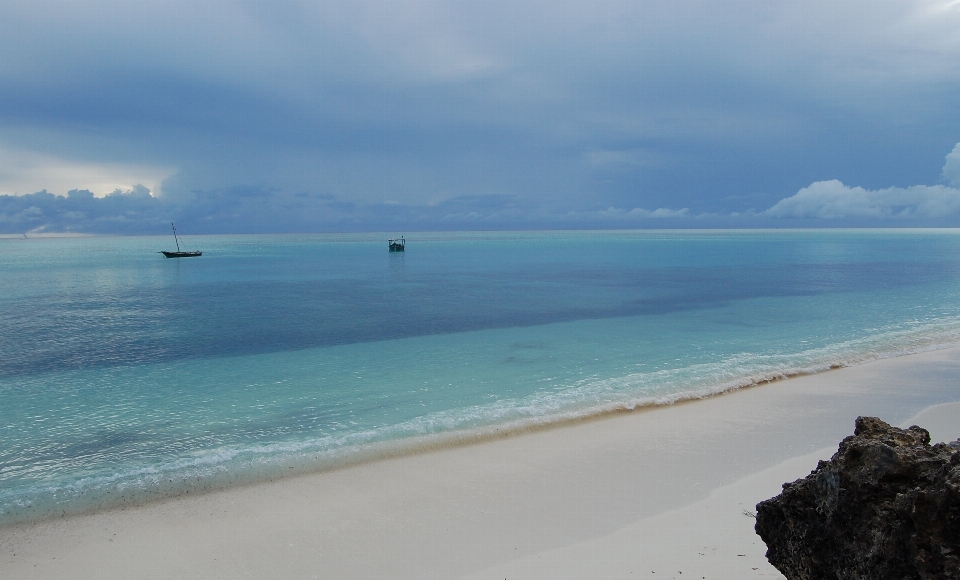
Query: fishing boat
point(397, 245)
point(179, 253)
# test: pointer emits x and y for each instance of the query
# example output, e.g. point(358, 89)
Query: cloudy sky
point(268, 116)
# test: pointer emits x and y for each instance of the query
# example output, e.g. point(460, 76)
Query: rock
point(886, 506)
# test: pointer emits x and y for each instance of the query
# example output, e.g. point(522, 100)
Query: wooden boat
point(397, 245)
point(179, 253)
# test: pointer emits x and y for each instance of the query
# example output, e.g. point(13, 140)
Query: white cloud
point(951, 169)
point(639, 212)
point(23, 171)
point(833, 199)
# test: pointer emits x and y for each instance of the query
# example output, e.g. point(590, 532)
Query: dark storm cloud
point(432, 113)
point(80, 211)
point(251, 209)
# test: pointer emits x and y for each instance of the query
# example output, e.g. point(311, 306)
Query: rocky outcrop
point(886, 506)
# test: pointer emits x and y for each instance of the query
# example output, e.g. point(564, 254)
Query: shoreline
point(472, 508)
point(279, 469)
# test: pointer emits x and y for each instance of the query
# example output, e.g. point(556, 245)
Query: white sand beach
point(657, 493)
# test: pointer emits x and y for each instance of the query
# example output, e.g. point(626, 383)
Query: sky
point(249, 116)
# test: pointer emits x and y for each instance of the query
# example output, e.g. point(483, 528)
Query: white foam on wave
point(212, 469)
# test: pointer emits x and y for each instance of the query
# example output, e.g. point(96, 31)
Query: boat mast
point(175, 235)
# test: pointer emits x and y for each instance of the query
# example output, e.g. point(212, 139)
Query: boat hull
point(181, 254)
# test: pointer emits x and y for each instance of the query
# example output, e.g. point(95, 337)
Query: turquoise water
point(125, 376)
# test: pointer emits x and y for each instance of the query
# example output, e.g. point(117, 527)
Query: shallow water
point(125, 376)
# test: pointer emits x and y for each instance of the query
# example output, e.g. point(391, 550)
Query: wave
point(586, 399)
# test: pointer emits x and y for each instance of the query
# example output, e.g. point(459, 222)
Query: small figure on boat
point(179, 253)
point(397, 244)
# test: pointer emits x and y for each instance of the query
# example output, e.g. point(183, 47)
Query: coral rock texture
point(886, 506)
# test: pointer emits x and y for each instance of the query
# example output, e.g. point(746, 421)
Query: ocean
point(125, 376)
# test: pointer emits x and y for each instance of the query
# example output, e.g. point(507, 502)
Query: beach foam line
point(588, 400)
